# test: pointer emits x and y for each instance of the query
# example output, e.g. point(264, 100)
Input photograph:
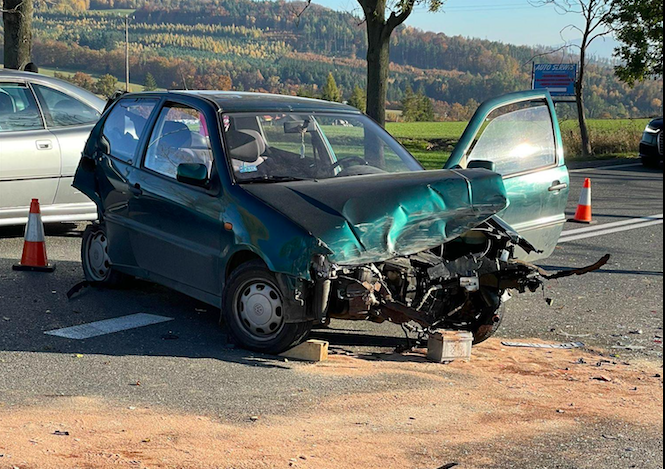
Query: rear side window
point(62, 110)
point(125, 126)
point(18, 109)
point(180, 136)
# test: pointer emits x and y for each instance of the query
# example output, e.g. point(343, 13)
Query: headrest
point(6, 102)
point(243, 146)
point(176, 135)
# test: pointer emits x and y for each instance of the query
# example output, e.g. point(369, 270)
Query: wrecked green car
point(286, 212)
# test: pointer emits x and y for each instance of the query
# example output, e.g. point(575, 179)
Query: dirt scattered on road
point(507, 396)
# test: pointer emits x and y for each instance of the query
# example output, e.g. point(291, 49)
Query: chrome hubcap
point(260, 309)
point(99, 264)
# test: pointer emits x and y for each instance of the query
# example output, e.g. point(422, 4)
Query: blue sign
point(558, 79)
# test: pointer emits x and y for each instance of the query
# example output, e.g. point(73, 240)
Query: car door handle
point(44, 145)
point(136, 190)
point(557, 186)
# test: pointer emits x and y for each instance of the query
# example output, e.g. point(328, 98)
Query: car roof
point(84, 95)
point(230, 101)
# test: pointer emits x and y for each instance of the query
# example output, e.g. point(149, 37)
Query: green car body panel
point(193, 247)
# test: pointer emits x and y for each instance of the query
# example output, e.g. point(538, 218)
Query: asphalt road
point(187, 365)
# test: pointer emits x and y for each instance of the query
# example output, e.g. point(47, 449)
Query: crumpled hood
point(374, 218)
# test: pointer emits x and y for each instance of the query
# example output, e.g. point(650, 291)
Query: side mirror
point(482, 164)
point(193, 174)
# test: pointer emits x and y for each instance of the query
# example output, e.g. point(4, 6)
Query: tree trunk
point(587, 149)
point(378, 72)
point(378, 68)
point(17, 16)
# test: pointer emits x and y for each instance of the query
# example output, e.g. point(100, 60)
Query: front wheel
point(488, 325)
point(95, 258)
point(255, 313)
point(650, 162)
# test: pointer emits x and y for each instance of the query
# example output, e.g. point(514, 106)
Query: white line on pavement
point(607, 226)
point(109, 326)
point(620, 229)
point(602, 168)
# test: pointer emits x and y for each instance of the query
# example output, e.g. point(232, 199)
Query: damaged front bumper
point(460, 285)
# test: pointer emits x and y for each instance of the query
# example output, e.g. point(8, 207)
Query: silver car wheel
point(260, 310)
point(97, 253)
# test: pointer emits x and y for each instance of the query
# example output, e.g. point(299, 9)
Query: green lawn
point(114, 12)
point(433, 142)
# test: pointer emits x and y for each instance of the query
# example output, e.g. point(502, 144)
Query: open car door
point(518, 136)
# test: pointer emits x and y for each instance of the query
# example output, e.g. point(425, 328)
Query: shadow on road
point(32, 304)
point(58, 230)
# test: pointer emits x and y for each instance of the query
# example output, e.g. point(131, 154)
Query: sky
point(509, 21)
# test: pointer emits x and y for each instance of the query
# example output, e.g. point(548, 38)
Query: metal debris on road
point(570, 346)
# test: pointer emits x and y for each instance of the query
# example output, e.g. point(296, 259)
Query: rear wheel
point(95, 258)
point(255, 313)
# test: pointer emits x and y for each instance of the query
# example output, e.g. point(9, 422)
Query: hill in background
point(250, 45)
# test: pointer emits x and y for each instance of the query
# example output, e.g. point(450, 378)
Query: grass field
point(115, 12)
point(433, 142)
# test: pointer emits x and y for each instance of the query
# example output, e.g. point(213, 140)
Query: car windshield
point(281, 147)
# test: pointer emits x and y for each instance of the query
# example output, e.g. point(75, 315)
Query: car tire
point(95, 259)
point(651, 163)
point(488, 325)
point(254, 312)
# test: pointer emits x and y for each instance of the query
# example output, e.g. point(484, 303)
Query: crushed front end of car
point(460, 285)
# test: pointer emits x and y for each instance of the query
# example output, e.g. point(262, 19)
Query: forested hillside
point(250, 45)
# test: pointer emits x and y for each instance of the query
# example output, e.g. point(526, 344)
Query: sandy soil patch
point(506, 395)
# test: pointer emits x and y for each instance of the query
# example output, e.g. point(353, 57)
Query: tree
point(417, 107)
point(331, 90)
point(83, 80)
point(382, 17)
point(639, 27)
point(597, 16)
point(17, 17)
point(150, 83)
point(410, 105)
point(107, 86)
point(358, 99)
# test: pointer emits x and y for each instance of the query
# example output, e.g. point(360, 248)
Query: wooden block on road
point(310, 351)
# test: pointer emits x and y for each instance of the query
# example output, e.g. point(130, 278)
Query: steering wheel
point(343, 162)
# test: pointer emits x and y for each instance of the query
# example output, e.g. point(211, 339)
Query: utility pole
point(127, 53)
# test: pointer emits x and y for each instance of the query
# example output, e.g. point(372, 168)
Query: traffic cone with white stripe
point(34, 248)
point(584, 210)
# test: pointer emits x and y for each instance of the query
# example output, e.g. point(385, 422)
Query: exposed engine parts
point(459, 286)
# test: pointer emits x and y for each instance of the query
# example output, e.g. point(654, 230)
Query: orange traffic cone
point(584, 211)
point(34, 248)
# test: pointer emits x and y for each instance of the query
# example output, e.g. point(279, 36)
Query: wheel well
point(240, 258)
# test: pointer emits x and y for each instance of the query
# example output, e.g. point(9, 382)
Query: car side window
point(18, 109)
point(518, 141)
point(125, 126)
point(62, 110)
point(180, 136)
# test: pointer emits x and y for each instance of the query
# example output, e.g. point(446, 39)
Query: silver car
point(44, 125)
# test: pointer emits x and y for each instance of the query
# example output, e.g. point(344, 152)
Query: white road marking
point(109, 326)
point(607, 226)
point(602, 168)
point(604, 230)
